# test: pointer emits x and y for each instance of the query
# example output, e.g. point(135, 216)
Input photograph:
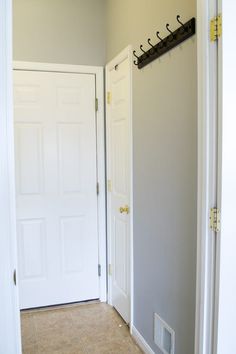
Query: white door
point(55, 144)
point(119, 182)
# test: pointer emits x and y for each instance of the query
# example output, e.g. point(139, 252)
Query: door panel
point(70, 157)
point(119, 174)
point(32, 248)
point(119, 128)
point(56, 175)
point(30, 180)
point(120, 261)
point(72, 231)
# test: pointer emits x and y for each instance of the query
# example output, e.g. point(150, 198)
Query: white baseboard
point(141, 341)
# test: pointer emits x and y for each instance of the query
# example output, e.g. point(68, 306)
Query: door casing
point(126, 53)
point(208, 160)
point(226, 282)
point(99, 82)
point(9, 320)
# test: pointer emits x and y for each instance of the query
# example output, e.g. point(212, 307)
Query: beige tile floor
point(79, 329)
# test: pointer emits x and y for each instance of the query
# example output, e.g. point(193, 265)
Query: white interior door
point(56, 175)
point(119, 179)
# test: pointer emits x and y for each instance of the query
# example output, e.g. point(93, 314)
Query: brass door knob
point(124, 209)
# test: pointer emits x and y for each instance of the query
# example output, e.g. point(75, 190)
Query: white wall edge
point(99, 78)
point(141, 341)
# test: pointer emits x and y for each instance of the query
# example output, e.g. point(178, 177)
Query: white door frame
point(99, 82)
point(126, 53)
point(226, 287)
point(206, 294)
point(9, 320)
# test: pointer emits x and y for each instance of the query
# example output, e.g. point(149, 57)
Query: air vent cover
point(164, 336)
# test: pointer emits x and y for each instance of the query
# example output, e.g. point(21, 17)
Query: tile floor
point(78, 329)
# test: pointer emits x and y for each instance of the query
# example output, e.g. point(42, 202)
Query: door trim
point(99, 82)
point(126, 53)
point(207, 177)
point(9, 302)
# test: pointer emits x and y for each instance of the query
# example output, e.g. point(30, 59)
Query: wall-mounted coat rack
point(185, 31)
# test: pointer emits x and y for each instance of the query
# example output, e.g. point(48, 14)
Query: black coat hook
point(141, 47)
point(134, 53)
point(163, 43)
point(136, 63)
point(167, 27)
point(149, 42)
point(178, 19)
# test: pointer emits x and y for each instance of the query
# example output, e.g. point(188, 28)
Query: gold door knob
point(124, 209)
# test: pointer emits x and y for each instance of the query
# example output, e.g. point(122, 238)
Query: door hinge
point(215, 219)
point(14, 277)
point(108, 97)
point(96, 104)
point(98, 189)
point(99, 270)
point(109, 269)
point(216, 28)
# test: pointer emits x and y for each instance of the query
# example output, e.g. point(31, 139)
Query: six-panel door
point(56, 174)
point(119, 126)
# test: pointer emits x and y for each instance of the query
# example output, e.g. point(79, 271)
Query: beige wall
point(165, 167)
point(59, 31)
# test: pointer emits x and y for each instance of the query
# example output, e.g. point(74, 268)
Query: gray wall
point(165, 167)
point(59, 31)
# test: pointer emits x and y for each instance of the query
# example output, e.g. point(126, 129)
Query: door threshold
point(61, 306)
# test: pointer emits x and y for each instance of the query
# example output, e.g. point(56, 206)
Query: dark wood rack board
point(176, 37)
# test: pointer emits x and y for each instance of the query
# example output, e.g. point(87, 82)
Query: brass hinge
point(14, 276)
point(109, 186)
point(96, 104)
point(216, 28)
point(99, 270)
point(108, 97)
point(215, 219)
point(109, 269)
point(98, 188)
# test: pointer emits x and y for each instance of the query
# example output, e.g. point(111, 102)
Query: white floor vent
point(164, 336)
